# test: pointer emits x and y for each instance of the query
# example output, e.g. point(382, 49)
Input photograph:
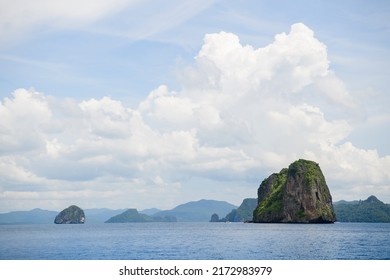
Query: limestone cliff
point(298, 194)
point(71, 215)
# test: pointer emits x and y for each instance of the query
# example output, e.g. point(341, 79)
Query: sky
point(140, 104)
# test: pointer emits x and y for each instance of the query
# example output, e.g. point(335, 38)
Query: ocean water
point(199, 241)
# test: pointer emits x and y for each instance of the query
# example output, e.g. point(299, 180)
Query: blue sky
point(154, 103)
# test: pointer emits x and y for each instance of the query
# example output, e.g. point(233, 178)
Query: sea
point(196, 241)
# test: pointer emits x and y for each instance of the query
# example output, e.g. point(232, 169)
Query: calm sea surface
point(146, 241)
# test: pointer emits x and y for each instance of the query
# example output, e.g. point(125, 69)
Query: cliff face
point(70, 215)
point(297, 194)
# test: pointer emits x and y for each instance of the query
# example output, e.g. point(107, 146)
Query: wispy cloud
point(139, 19)
point(31, 62)
point(19, 18)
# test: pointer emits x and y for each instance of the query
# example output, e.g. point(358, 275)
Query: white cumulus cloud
point(241, 113)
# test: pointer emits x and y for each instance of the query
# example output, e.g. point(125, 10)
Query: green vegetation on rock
point(309, 170)
point(272, 203)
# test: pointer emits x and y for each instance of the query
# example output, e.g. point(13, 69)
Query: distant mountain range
point(39, 216)
point(100, 215)
point(369, 210)
point(35, 216)
point(198, 211)
point(194, 211)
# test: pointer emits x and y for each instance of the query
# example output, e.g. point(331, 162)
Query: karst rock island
point(297, 194)
point(71, 215)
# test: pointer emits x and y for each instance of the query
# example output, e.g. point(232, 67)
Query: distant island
point(243, 213)
point(132, 216)
point(371, 210)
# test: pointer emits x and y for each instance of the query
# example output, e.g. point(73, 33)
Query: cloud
point(240, 114)
point(27, 113)
point(19, 17)
point(22, 19)
point(294, 59)
point(153, 18)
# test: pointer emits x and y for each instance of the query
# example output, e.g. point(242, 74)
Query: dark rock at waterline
point(71, 215)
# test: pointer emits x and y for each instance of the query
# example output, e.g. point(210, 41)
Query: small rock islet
point(71, 215)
